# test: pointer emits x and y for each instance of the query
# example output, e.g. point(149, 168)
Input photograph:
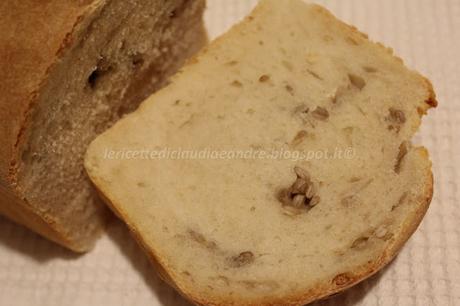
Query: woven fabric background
point(426, 34)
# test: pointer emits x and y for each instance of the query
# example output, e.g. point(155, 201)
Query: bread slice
point(347, 189)
point(69, 70)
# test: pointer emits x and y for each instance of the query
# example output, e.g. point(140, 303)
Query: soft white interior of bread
point(218, 227)
point(120, 54)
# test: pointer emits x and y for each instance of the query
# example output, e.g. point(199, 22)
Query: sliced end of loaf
point(229, 231)
point(118, 53)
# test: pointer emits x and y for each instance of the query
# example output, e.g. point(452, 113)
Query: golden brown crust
point(34, 35)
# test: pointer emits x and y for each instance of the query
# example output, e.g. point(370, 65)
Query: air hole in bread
point(360, 243)
point(93, 78)
point(137, 60)
point(357, 81)
point(102, 68)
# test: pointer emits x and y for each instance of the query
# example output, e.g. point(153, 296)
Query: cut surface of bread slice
point(261, 229)
point(70, 69)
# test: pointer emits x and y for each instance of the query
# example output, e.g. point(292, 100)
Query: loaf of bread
point(69, 70)
point(328, 188)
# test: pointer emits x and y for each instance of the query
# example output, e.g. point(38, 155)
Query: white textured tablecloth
point(426, 34)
